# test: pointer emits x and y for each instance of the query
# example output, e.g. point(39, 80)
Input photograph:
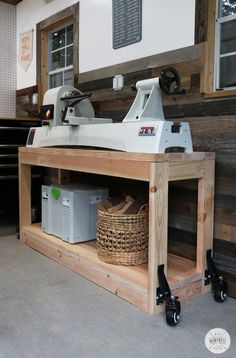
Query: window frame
point(51, 51)
point(208, 57)
point(218, 56)
point(68, 15)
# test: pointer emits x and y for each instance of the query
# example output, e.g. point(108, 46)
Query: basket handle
point(142, 207)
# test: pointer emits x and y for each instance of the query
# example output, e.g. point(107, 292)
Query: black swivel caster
point(219, 286)
point(220, 290)
point(172, 311)
point(163, 294)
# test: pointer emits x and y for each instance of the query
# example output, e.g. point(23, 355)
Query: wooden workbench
point(136, 284)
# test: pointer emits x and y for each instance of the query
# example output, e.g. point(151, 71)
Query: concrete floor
point(48, 311)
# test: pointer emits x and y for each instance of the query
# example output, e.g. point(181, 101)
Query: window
point(58, 50)
point(60, 44)
point(225, 46)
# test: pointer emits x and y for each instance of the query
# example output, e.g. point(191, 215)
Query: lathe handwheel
point(169, 80)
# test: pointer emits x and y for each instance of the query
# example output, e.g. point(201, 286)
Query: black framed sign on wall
point(127, 22)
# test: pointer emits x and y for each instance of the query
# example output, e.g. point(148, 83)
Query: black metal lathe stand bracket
point(219, 286)
point(163, 294)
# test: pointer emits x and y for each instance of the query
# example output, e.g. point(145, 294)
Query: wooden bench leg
point(24, 195)
point(205, 217)
point(158, 221)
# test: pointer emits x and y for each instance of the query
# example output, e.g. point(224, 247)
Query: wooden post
point(205, 215)
point(158, 224)
point(63, 176)
point(208, 51)
point(24, 195)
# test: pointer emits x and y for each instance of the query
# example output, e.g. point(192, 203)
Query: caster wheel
point(219, 295)
point(220, 291)
point(172, 311)
point(172, 318)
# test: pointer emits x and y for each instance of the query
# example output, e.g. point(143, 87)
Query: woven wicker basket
point(122, 240)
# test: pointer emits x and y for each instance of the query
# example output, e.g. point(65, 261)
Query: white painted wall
point(166, 25)
point(28, 14)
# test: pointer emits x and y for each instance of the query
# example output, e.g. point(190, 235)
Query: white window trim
point(60, 70)
point(218, 56)
point(50, 51)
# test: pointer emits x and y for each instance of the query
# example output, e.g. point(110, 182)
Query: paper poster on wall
point(26, 49)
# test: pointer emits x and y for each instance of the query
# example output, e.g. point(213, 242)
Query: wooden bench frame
point(136, 284)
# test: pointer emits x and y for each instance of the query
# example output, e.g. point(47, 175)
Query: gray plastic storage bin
point(79, 212)
point(70, 211)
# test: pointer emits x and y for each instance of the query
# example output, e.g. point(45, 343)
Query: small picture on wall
point(26, 49)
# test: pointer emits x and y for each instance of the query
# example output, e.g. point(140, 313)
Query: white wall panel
point(166, 25)
point(29, 13)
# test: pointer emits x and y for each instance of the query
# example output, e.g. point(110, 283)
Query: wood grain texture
point(201, 17)
point(24, 192)
point(163, 59)
point(137, 285)
point(186, 170)
point(126, 282)
point(189, 292)
point(93, 162)
point(158, 214)
point(24, 107)
point(208, 53)
point(40, 156)
point(12, 2)
point(27, 91)
point(205, 214)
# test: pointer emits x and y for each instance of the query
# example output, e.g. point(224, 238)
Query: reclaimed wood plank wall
point(213, 128)
point(24, 106)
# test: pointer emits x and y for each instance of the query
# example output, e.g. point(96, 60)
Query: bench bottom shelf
point(127, 282)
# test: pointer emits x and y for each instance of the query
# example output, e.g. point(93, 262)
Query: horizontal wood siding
point(12, 2)
point(24, 106)
point(213, 128)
